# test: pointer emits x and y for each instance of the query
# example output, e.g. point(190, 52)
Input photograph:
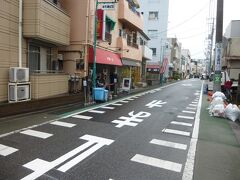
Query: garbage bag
point(218, 94)
point(215, 101)
point(218, 110)
point(232, 112)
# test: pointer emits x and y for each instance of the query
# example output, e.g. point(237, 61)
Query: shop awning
point(128, 62)
point(105, 57)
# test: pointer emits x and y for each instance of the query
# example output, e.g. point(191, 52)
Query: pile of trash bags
point(220, 108)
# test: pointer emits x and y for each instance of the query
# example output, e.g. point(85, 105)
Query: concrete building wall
point(160, 24)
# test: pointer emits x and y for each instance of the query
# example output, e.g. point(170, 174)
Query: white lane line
point(64, 124)
point(191, 108)
point(189, 165)
point(116, 104)
point(194, 105)
point(107, 107)
point(96, 111)
point(130, 99)
point(82, 117)
point(172, 166)
point(135, 97)
point(123, 101)
point(37, 134)
point(169, 144)
point(6, 150)
point(185, 117)
point(189, 112)
point(172, 131)
point(181, 123)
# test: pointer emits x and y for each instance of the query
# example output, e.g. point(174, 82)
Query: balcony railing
point(108, 37)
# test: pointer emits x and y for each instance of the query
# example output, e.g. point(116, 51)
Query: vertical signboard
point(218, 55)
point(100, 24)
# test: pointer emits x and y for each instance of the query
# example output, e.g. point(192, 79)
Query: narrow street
point(141, 136)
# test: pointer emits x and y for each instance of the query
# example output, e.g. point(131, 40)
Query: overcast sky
point(188, 22)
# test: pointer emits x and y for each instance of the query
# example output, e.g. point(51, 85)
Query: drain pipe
point(20, 34)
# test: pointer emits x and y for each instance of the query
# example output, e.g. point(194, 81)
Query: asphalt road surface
point(140, 137)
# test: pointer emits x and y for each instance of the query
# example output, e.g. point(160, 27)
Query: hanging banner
point(218, 57)
point(100, 24)
point(164, 65)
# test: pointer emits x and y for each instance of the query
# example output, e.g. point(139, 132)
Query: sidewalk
point(218, 148)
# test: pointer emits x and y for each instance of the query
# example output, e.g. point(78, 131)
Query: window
point(153, 34)
point(40, 59)
point(153, 15)
point(120, 32)
point(154, 50)
point(141, 42)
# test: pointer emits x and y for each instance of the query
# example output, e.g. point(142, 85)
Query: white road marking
point(194, 102)
point(123, 101)
point(194, 105)
point(135, 97)
point(157, 162)
point(64, 124)
point(181, 123)
point(6, 150)
point(107, 107)
point(172, 131)
point(37, 134)
point(189, 112)
point(191, 108)
point(155, 103)
point(41, 167)
point(169, 144)
point(189, 165)
point(96, 111)
point(82, 117)
point(130, 99)
point(133, 120)
point(116, 104)
point(185, 117)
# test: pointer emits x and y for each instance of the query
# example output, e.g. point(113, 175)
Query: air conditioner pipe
point(20, 34)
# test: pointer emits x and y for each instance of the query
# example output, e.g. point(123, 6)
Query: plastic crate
point(99, 94)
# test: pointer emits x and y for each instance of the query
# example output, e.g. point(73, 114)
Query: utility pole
point(218, 47)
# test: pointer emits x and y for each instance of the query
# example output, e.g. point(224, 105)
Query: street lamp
point(95, 41)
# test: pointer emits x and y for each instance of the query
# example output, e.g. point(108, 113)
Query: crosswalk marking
point(6, 150)
point(181, 123)
point(37, 134)
point(194, 102)
point(172, 166)
point(185, 117)
point(130, 99)
point(172, 131)
point(117, 104)
point(64, 124)
point(195, 105)
point(82, 117)
point(107, 107)
point(191, 108)
point(189, 112)
point(169, 144)
point(124, 101)
point(96, 111)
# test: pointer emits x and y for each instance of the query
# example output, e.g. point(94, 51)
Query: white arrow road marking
point(169, 144)
point(185, 117)
point(181, 123)
point(64, 124)
point(82, 117)
point(37, 134)
point(6, 150)
point(157, 162)
point(40, 166)
point(172, 131)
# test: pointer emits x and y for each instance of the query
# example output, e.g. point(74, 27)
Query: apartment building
point(58, 42)
point(155, 14)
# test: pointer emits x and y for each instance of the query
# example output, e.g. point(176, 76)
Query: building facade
point(155, 14)
point(58, 43)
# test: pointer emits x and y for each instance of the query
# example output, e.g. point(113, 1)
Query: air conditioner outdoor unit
point(17, 74)
point(18, 92)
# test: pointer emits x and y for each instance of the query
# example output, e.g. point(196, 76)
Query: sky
point(188, 22)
